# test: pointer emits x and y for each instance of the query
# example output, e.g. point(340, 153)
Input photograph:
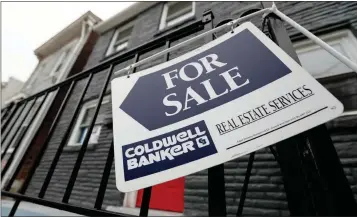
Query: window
point(60, 63)
point(176, 12)
point(120, 40)
point(81, 127)
point(319, 62)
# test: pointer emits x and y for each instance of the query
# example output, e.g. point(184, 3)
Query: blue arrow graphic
point(254, 62)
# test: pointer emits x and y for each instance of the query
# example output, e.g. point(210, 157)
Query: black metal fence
point(14, 117)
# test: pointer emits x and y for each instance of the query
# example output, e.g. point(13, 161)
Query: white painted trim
point(59, 61)
point(75, 131)
point(136, 211)
point(164, 24)
point(65, 34)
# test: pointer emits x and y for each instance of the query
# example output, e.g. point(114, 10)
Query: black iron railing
point(13, 118)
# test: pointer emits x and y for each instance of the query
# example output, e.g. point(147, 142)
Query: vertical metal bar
point(43, 148)
point(136, 59)
point(272, 150)
point(145, 202)
point(216, 191)
point(22, 136)
point(167, 55)
point(64, 140)
point(14, 207)
point(9, 184)
point(313, 176)
point(245, 184)
point(81, 153)
point(105, 177)
point(216, 182)
point(17, 130)
point(3, 139)
point(9, 116)
point(3, 112)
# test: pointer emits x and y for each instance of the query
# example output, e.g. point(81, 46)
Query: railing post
point(216, 182)
point(6, 117)
point(314, 179)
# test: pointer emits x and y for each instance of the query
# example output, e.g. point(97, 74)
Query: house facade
point(9, 89)
point(58, 58)
point(334, 22)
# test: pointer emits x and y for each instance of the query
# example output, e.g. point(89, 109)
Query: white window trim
point(75, 132)
point(110, 49)
point(177, 20)
point(60, 61)
point(344, 37)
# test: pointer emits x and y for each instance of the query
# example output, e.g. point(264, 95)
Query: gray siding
point(40, 79)
point(266, 195)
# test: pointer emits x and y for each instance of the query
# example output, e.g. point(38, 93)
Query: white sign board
point(230, 97)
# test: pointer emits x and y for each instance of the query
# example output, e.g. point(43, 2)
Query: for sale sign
point(230, 97)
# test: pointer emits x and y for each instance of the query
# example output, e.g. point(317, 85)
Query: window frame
point(60, 62)
point(113, 42)
point(163, 20)
point(72, 142)
point(345, 38)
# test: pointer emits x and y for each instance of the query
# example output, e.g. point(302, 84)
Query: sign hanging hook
point(130, 71)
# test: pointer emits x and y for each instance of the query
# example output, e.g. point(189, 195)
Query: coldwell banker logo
point(166, 151)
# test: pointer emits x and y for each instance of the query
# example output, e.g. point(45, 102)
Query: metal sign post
point(314, 179)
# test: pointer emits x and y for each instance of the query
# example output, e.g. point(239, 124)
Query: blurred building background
point(61, 56)
point(9, 90)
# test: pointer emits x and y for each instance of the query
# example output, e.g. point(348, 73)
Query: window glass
point(88, 116)
point(125, 34)
point(178, 9)
point(176, 12)
point(83, 122)
point(120, 40)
